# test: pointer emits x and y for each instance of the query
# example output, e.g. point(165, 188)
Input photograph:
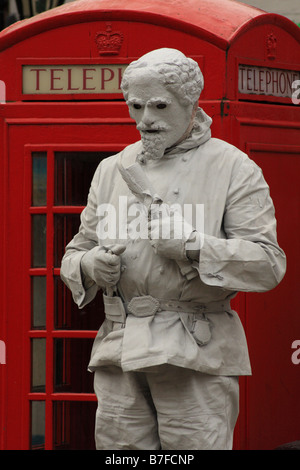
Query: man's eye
point(137, 106)
point(161, 106)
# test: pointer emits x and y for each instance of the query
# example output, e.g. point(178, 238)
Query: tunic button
point(176, 191)
point(161, 270)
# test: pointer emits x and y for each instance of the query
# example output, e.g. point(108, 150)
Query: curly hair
point(181, 75)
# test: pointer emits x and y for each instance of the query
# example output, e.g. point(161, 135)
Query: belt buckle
point(144, 306)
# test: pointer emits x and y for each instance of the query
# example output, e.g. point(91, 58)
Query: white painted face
point(160, 117)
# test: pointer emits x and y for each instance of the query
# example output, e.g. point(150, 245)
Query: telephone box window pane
point(38, 362)
point(68, 316)
point(38, 253)
point(73, 175)
point(37, 425)
point(74, 424)
point(38, 292)
point(39, 179)
point(71, 358)
point(65, 227)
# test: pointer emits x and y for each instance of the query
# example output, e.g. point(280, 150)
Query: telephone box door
point(47, 376)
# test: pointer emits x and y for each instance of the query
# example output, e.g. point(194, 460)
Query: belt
point(145, 306)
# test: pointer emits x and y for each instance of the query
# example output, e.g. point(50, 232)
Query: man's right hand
point(103, 265)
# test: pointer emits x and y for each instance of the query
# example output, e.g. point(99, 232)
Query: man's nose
point(148, 117)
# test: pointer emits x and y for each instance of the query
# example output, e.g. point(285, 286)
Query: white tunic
point(239, 253)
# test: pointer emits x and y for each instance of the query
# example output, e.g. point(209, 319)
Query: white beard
point(154, 145)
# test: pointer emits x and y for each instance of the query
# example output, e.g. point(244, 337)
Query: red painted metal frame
point(3, 281)
point(208, 21)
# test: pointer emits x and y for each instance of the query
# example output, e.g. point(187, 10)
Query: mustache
point(159, 126)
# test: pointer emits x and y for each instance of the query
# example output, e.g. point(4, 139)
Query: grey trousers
point(164, 407)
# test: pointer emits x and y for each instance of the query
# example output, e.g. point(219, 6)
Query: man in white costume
point(168, 356)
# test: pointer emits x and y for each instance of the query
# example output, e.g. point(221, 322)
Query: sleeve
point(249, 258)
point(83, 289)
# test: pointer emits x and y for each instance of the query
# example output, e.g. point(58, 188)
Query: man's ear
point(190, 127)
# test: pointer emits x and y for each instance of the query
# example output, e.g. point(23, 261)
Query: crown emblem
point(271, 46)
point(109, 42)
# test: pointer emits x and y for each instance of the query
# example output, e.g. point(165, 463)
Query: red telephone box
point(64, 112)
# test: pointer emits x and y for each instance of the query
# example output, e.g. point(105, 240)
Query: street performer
point(175, 226)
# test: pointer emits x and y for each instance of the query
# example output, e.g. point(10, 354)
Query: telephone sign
point(72, 79)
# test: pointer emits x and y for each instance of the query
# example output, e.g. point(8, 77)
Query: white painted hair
point(179, 74)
